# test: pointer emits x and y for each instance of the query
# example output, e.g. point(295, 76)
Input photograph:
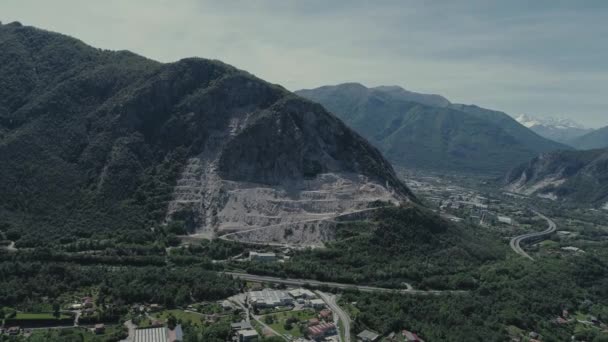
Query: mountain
point(429, 132)
point(592, 140)
point(562, 130)
point(575, 176)
point(98, 143)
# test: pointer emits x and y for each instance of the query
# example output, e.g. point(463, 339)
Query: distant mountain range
point(427, 131)
point(575, 176)
point(94, 141)
point(561, 130)
point(592, 140)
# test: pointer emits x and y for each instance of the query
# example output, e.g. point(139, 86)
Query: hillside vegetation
point(92, 141)
point(400, 244)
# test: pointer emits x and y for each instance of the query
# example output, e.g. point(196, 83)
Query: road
point(131, 328)
point(343, 317)
point(363, 288)
point(329, 217)
point(241, 301)
point(516, 241)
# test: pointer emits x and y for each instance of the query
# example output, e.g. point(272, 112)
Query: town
point(262, 312)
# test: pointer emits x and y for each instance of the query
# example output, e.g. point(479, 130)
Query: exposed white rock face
point(524, 187)
point(300, 212)
point(280, 175)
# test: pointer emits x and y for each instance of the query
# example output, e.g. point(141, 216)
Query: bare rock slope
point(580, 177)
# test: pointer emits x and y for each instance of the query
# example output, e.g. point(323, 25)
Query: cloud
point(541, 57)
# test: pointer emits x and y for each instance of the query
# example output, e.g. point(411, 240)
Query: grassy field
point(75, 334)
point(35, 316)
point(180, 315)
point(280, 317)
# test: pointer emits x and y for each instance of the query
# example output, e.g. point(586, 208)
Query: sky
point(542, 57)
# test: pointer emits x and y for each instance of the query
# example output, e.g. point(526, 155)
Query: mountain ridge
point(592, 140)
point(571, 176)
point(94, 141)
point(562, 130)
point(446, 137)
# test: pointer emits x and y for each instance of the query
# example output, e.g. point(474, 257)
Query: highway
point(316, 283)
point(343, 317)
point(516, 241)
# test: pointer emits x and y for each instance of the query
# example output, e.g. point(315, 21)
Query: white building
point(269, 298)
point(505, 219)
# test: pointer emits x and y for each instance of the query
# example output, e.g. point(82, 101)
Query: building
point(158, 334)
point(99, 329)
point(13, 330)
point(302, 293)
point(319, 331)
point(155, 307)
point(504, 219)
point(269, 298)
point(76, 306)
point(242, 325)
point(313, 322)
point(572, 249)
point(317, 303)
point(411, 337)
point(227, 306)
point(87, 302)
point(368, 336)
point(325, 314)
point(247, 335)
point(262, 257)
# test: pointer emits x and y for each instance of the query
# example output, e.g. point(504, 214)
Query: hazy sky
point(535, 57)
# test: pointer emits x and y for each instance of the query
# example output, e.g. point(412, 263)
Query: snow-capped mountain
point(562, 130)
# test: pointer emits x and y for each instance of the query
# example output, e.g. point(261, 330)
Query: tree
point(171, 321)
point(56, 309)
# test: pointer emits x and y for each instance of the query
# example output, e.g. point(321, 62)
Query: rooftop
point(248, 333)
point(368, 335)
point(269, 297)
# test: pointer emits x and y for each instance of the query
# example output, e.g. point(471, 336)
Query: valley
point(193, 201)
point(501, 217)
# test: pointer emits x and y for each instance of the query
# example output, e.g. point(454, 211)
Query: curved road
point(287, 224)
point(363, 288)
point(343, 317)
point(516, 241)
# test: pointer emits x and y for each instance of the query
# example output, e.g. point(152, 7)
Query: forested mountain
point(95, 141)
point(557, 129)
point(595, 139)
point(576, 176)
point(430, 132)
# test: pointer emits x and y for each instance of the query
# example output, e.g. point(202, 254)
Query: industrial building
point(317, 303)
point(247, 335)
point(158, 334)
point(262, 257)
point(269, 298)
point(302, 293)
